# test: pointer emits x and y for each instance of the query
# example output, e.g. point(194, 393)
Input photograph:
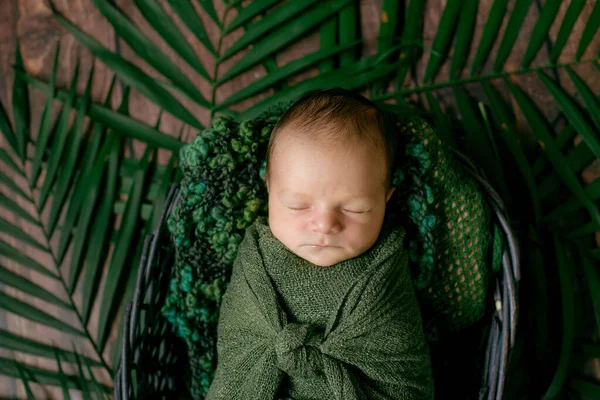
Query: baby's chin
point(323, 257)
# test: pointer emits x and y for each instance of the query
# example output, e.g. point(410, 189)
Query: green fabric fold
point(291, 329)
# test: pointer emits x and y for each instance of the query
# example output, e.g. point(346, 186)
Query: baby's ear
point(389, 194)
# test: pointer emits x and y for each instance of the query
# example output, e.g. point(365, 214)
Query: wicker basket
point(153, 358)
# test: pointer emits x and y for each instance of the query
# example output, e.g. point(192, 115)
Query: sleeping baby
point(321, 303)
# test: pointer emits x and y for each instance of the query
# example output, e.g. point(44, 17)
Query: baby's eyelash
point(344, 209)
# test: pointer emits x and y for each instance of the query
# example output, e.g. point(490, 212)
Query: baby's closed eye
point(356, 211)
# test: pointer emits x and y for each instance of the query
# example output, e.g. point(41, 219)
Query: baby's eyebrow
point(287, 192)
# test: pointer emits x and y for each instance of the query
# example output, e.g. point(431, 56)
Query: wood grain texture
point(39, 33)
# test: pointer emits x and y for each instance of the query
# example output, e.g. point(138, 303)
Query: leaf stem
point(473, 79)
point(62, 281)
point(214, 82)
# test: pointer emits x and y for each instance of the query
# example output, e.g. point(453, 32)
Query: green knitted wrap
point(223, 192)
point(461, 238)
point(349, 331)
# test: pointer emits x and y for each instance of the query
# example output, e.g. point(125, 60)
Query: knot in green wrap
point(298, 352)
point(351, 331)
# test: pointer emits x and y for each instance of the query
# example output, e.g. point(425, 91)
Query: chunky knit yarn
point(221, 195)
point(457, 288)
point(346, 332)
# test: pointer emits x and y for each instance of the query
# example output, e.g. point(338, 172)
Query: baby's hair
point(338, 116)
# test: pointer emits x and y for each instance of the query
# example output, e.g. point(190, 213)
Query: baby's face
point(325, 204)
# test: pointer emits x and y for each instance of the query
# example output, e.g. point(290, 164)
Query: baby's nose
point(326, 223)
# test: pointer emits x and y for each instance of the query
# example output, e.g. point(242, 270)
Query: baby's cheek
point(363, 237)
point(285, 227)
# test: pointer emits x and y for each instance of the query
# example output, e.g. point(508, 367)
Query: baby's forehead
point(326, 140)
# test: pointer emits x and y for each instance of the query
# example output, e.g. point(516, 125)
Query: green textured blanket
point(288, 328)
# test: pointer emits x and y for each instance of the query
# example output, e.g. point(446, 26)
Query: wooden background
point(39, 33)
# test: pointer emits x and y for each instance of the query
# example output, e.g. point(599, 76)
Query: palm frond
point(443, 39)
point(187, 13)
point(540, 31)
point(42, 376)
point(23, 374)
point(566, 28)
point(515, 23)
point(128, 234)
point(489, 35)
point(464, 36)
point(63, 379)
point(161, 23)
point(20, 106)
point(71, 192)
point(568, 320)
point(45, 130)
point(149, 51)
point(589, 31)
point(541, 128)
point(132, 75)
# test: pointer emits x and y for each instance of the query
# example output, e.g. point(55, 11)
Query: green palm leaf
point(589, 31)
point(566, 287)
point(255, 32)
point(442, 39)
point(63, 378)
point(280, 37)
point(540, 31)
point(84, 385)
point(94, 256)
point(252, 10)
point(541, 128)
point(64, 133)
point(7, 130)
point(45, 130)
point(27, 346)
point(504, 123)
point(42, 376)
point(328, 40)
point(89, 155)
point(7, 277)
point(517, 17)
point(133, 76)
point(116, 121)
point(282, 73)
point(573, 114)
point(127, 235)
point(464, 35)
point(489, 35)
point(412, 33)
point(148, 50)
point(11, 253)
point(591, 102)
point(35, 314)
point(20, 107)
point(476, 142)
point(23, 374)
point(566, 27)
point(347, 33)
point(157, 18)
point(185, 10)
point(386, 38)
